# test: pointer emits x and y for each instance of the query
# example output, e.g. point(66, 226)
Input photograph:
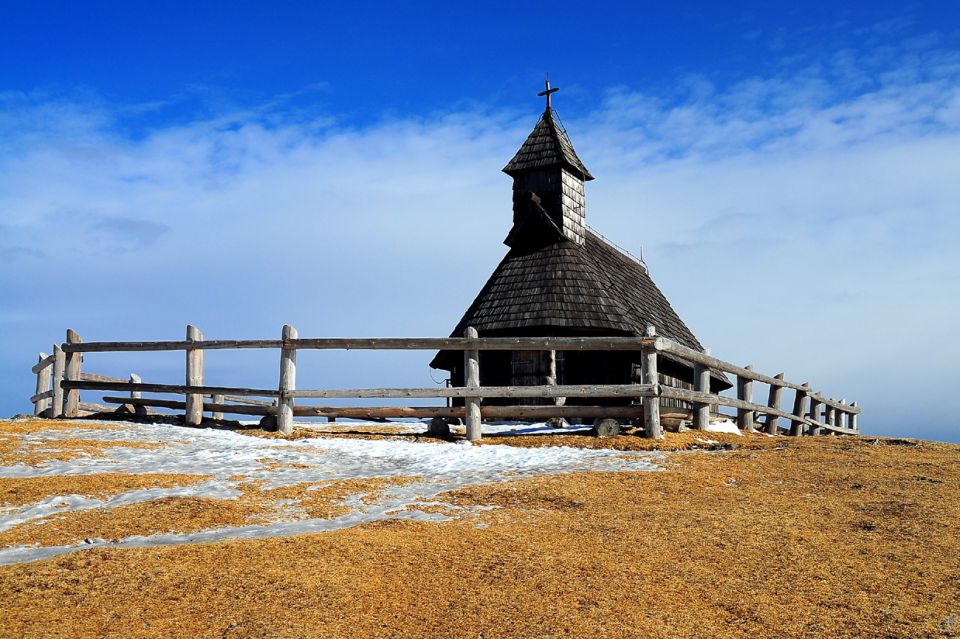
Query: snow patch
point(230, 459)
point(723, 426)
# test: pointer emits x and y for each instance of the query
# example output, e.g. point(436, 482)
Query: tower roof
point(547, 145)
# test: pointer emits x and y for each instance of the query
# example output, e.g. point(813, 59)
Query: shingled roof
point(547, 145)
point(595, 287)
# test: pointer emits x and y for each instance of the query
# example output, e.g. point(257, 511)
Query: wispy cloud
point(805, 218)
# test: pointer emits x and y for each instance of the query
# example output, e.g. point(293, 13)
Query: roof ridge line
point(625, 252)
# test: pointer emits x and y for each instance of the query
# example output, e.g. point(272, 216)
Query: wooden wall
point(561, 195)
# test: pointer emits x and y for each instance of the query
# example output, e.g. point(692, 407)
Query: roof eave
point(584, 174)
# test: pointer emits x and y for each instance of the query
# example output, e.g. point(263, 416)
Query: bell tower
point(548, 184)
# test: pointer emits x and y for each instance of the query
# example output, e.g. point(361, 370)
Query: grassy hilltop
point(792, 537)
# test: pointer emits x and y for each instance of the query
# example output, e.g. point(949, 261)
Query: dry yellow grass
point(189, 514)
point(30, 426)
point(819, 537)
point(672, 441)
point(167, 514)
point(17, 491)
point(34, 452)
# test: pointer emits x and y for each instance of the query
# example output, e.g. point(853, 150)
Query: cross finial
point(548, 91)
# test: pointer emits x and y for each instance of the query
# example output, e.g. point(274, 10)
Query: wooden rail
point(377, 343)
point(60, 381)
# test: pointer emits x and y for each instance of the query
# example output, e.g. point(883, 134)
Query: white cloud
point(804, 221)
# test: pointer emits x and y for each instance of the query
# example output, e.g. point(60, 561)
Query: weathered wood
point(175, 389)
point(546, 412)
point(559, 400)
point(701, 361)
point(711, 399)
point(91, 407)
point(93, 377)
point(745, 416)
point(799, 409)
point(179, 405)
point(135, 379)
point(773, 401)
point(853, 418)
point(71, 373)
point(833, 430)
point(582, 390)
point(42, 394)
point(381, 343)
point(38, 400)
point(217, 399)
point(696, 357)
point(827, 401)
point(841, 414)
point(380, 412)
point(194, 377)
point(59, 364)
point(471, 367)
point(482, 344)
point(831, 416)
point(651, 416)
point(815, 408)
point(244, 400)
point(178, 345)
point(135, 394)
point(673, 412)
point(43, 362)
point(492, 412)
point(288, 381)
point(701, 384)
point(606, 427)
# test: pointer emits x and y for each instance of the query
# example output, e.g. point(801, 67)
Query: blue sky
point(242, 165)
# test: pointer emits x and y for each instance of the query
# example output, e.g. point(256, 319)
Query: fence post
point(831, 417)
point(217, 399)
point(288, 380)
point(701, 384)
point(194, 401)
point(651, 405)
point(773, 401)
point(471, 371)
point(815, 408)
point(135, 379)
point(552, 377)
point(853, 419)
point(136, 409)
point(745, 393)
point(71, 373)
point(799, 408)
point(59, 363)
point(43, 385)
point(841, 413)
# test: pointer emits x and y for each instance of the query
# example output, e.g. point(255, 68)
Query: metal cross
point(548, 92)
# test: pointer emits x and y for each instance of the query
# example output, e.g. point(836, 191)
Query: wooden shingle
point(547, 145)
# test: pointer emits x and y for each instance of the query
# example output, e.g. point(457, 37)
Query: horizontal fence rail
point(377, 343)
point(60, 381)
point(609, 390)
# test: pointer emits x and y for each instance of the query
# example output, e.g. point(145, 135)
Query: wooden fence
point(60, 381)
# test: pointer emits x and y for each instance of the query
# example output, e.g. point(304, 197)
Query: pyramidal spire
point(547, 145)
